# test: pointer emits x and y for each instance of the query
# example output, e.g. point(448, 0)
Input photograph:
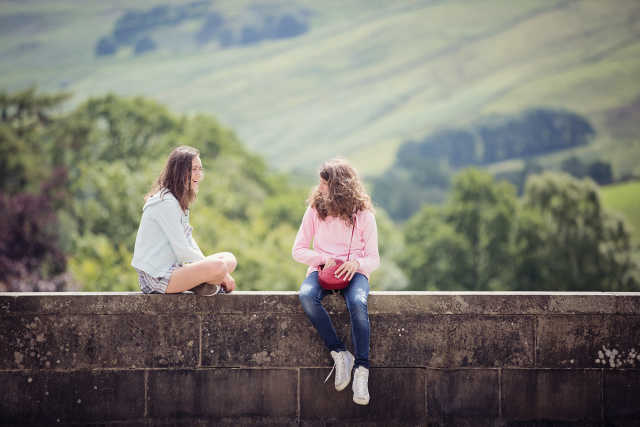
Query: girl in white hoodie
point(166, 257)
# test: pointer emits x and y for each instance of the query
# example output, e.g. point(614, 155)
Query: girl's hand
point(330, 263)
point(347, 270)
point(228, 283)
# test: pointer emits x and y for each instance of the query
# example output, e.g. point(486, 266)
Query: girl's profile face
point(197, 173)
point(323, 186)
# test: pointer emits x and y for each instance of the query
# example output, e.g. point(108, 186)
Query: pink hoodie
point(331, 238)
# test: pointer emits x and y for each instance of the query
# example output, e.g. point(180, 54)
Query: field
point(366, 77)
point(625, 200)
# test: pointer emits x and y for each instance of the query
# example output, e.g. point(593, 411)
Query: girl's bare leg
point(213, 269)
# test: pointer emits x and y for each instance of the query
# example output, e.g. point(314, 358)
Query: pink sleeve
point(371, 258)
point(301, 251)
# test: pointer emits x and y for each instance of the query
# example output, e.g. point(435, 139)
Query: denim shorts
point(155, 285)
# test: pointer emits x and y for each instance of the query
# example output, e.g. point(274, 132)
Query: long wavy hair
point(346, 195)
point(176, 176)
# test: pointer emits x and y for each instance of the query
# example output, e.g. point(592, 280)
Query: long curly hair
point(176, 176)
point(346, 195)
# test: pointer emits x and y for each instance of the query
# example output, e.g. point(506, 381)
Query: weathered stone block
point(371, 423)
point(250, 302)
point(453, 421)
point(622, 394)
point(452, 341)
point(95, 303)
point(546, 423)
point(588, 341)
point(592, 303)
point(98, 341)
point(582, 304)
point(437, 341)
point(462, 393)
point(58, 398)
point(263, 339)
point(556, 395)
point(221, 393)
point(403, 303)
point(397, 394)
point(136, 302)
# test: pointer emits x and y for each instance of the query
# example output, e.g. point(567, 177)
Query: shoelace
point(330, 372)
point(334, 367)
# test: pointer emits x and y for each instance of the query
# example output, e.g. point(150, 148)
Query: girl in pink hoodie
point(337, 207)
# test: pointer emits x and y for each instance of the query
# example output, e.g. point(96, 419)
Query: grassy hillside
point(366, 77)
point(625, 199)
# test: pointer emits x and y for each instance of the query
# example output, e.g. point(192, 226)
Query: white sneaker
point(207, 289)
point(361, 386)
point(343, 364)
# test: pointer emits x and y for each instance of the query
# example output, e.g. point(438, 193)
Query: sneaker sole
point(361, 401)
point(207, 290)
point(342, 386)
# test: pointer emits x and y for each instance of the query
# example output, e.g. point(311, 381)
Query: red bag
point(328, 280)
point(326, 276)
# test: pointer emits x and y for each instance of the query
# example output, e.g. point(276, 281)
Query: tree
point(430, 163)
point(30, 254)
point(106, 46)
point(210, 28)
point(403, 190)
point(290, 26)
point(483, 212)
point(574, 167)
point(558, 238)
point(601, 172)
point(436, 257)
point(31, 190)
point(585, 247)
point(145, 44)
point(465, 244)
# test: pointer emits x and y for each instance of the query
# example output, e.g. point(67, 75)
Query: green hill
point(625, 199)
point(367, 76)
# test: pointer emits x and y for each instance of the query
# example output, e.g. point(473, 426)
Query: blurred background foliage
point(84, 173)
point(73, 182)
point(499, 140)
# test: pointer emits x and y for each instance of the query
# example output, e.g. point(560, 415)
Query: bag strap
point(351, 241)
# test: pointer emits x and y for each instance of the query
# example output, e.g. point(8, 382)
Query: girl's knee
point(231, 260)
point(357, 301)
point(308, 297)
point(307, 303)
point(305, 297)
point(216, 269)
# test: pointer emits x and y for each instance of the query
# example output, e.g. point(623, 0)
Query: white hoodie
point(162, 239)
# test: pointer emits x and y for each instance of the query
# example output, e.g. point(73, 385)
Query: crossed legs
point(213, 269)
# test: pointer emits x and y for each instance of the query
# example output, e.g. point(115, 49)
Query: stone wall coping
point(497, 293)
point(286, 302)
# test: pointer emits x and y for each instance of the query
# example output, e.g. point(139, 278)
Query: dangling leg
point(356, 296)
point(311, 295)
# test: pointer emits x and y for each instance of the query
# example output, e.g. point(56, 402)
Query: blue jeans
point(355, 295)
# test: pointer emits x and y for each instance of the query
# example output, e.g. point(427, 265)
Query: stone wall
point(469, 359)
